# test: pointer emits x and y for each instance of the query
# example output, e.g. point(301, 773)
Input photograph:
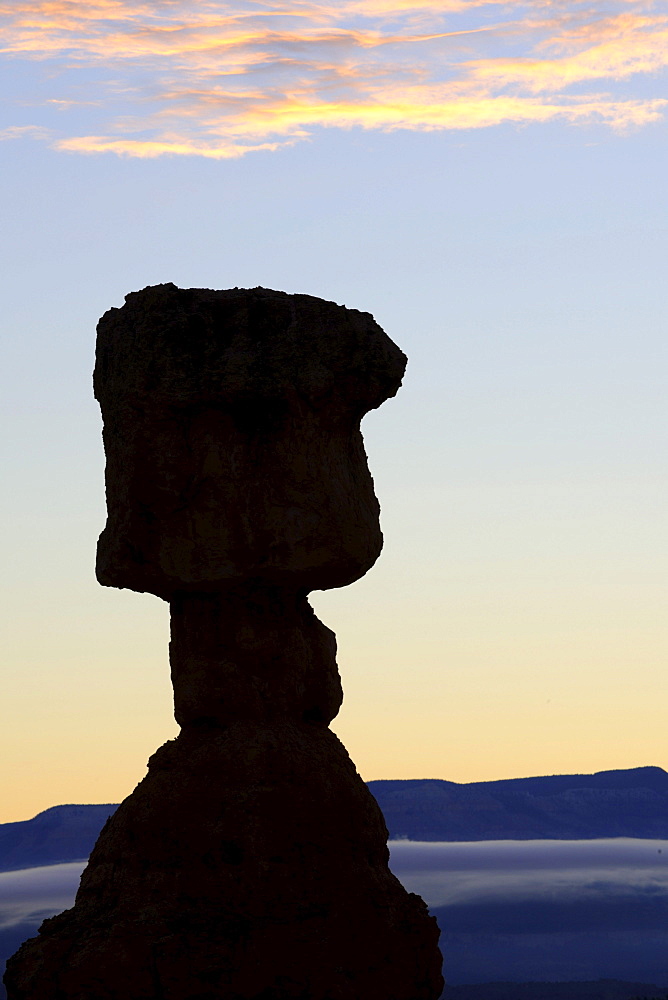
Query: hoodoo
point(251, 862)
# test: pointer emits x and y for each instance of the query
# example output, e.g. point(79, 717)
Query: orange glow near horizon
point(219, 80)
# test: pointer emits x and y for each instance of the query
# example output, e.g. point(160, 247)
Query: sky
point(488, 180)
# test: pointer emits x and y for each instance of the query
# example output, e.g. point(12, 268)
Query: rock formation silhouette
point(251, 862)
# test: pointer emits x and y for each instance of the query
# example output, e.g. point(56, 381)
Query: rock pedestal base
point(249, 864)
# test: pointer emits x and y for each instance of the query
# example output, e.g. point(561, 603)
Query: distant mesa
point(622, 803)
point(59, 834)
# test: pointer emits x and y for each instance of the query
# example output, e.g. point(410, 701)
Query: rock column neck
point(256, 653)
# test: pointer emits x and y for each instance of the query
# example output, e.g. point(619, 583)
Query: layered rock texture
point(251, 862)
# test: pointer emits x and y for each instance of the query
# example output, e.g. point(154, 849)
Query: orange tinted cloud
point(610, 50)
point(218, 79)
point(147, 149)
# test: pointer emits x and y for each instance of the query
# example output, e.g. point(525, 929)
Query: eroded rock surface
point(231, 429)
point(251, 862)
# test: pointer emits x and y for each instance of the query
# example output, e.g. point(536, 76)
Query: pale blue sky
point(515, 623)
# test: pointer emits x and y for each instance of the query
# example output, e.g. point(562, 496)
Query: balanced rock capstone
point(251, 862)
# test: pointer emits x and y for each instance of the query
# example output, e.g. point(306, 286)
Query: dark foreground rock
point(601, 989)
point(251, 862)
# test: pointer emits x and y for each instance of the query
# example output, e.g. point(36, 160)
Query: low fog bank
point(27, 897)
point(511, 871)
point(510, 911)
point(31, 895)
point(544, 910)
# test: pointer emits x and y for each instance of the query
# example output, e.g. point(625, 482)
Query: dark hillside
point(62, 833)
point(630, 803)
point(602, 989)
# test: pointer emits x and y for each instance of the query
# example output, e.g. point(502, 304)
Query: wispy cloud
point(444, 874)
point(29, 895)
point(548, 871)
point(221, 79)
point(23, 132)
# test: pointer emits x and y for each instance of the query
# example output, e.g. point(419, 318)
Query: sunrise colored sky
point(488, 179)
point(221, 80)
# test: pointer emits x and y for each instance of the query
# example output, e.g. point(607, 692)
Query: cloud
point(516, 911)
point(518, 875)
point(23, 132)
point(147, 149)
point(613, 49)
point(31, 894)
point(534, 872)
point(220, 79)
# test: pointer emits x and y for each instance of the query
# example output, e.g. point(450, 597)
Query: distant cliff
point(62, 833)
point(629, 803)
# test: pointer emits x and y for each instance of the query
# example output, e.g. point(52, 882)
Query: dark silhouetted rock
point(251, 862)
point(231, 429)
